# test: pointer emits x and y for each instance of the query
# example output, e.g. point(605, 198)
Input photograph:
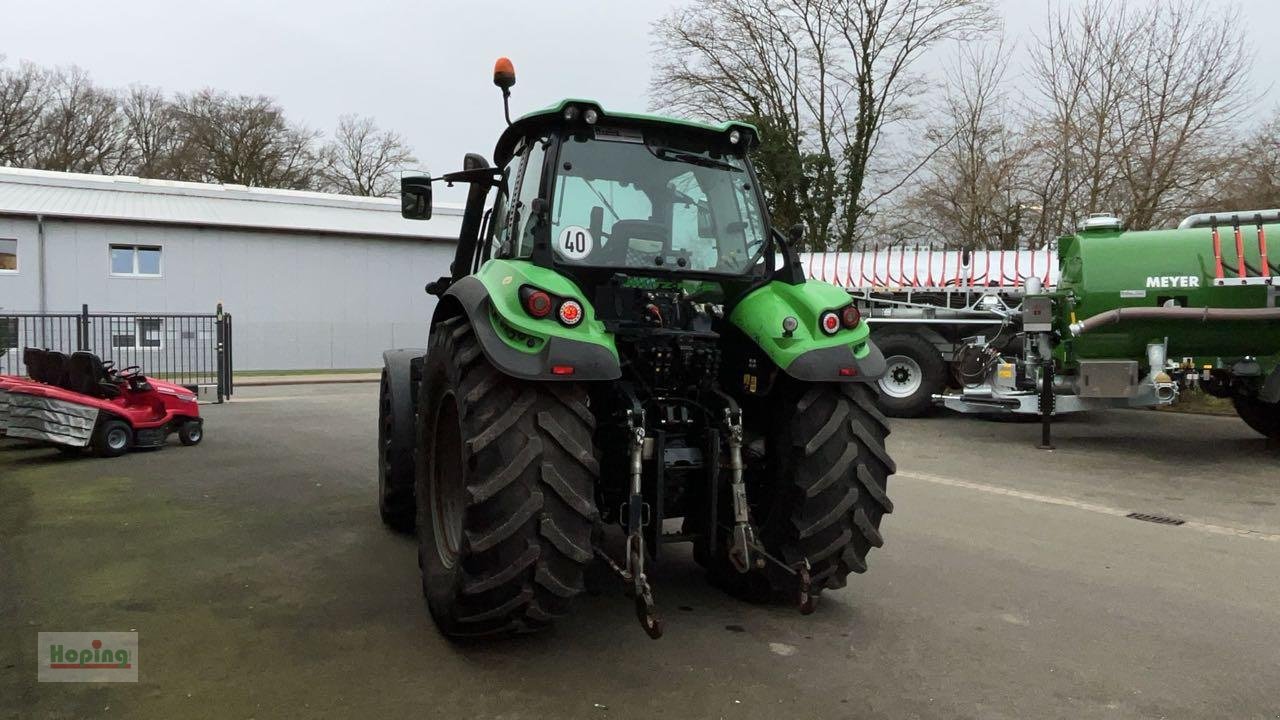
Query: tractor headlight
point(571, 113)
point(591, 116)
point(735, 137)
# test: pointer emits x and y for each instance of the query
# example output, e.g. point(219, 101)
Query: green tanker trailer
point(1136, 317)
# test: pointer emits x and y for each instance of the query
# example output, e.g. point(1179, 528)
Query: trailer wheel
point(1263, 417)
point(914, 373)
point(113, 438)
point(823, 493)
point(505, 496)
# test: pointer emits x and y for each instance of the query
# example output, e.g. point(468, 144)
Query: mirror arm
point(791, 272)
point(489, 177)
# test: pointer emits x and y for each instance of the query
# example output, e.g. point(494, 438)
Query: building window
point(135, 260)
point(137, 334)
point(8, 255)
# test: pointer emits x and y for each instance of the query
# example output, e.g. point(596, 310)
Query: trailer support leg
point(1046, 405)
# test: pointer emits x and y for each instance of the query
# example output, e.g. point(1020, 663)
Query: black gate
point(185, 348)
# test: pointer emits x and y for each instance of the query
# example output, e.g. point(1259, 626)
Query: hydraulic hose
point(1111, 317)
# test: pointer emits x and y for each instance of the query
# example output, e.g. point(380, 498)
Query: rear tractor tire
point(1263, 417)
point(506, 473)
point(914, 373)
point(395, 457)
point(824, 490)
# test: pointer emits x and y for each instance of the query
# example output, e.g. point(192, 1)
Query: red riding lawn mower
point(81, 401)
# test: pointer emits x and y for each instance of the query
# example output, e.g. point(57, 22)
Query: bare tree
point(971, 192)
point(1252, 180)
point(824, 78)
point(362, 159)
point(245, 140)
point(23, 97)
point(1189, 71)
point(152, 135)
point(80, 129)
point(1131, 108)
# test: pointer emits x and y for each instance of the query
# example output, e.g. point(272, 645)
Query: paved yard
point(1012, 585)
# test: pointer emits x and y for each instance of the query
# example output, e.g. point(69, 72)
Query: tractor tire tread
point(531, 467)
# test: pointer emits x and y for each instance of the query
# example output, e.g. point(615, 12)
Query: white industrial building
point(312, 280)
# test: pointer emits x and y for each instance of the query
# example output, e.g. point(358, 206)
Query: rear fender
point(807, 353)
point(523, 346)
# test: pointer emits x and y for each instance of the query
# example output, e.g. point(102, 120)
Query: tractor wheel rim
point(902, 377)
point(117, 439)
point(447, 502)
point(194, 434)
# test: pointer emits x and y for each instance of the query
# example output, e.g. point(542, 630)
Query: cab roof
point(554, 114)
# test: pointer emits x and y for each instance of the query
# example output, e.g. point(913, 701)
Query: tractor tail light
point(561, 369)
point(850, 316)
point(536, 302)
point(848, 372)
point(830, 322)
point(570, 313)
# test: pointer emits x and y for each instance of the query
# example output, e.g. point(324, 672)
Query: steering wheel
point(131, 372)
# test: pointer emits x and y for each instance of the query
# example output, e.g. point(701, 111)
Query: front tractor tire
point(824, 490)
point(504, 490)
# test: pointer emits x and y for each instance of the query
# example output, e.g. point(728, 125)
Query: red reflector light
point(848, 372)
point(537, 303)
point(830, 322)
point(850, 317)
point(561, 369)
point(570, 312)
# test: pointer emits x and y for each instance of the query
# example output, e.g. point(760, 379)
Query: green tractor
point(626, 354)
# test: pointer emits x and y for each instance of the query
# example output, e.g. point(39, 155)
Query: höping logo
point(1173, 281)
point(87, 657)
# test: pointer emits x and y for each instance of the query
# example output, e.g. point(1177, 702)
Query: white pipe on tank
point(1245, 217)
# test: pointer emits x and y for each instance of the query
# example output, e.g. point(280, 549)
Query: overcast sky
point(422, 67)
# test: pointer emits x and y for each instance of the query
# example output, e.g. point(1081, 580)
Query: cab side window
point(500, 215)
point(530, 185)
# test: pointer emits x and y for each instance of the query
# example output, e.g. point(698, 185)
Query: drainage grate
point(1157, 519)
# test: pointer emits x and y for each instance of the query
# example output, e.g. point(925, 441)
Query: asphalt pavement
point(1013, 584)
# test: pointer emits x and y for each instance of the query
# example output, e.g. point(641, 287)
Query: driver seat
point(88, 376)
point(56, 367)
point(623, 232)
point(34, 360)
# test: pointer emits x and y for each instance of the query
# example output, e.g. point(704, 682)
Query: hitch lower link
point(633, 572)
point(744, 543)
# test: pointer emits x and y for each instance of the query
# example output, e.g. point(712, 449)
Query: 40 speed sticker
point(575, 243)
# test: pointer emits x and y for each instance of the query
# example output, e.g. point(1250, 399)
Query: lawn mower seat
point(56, 369)
point(88, 376)
point(33, 359)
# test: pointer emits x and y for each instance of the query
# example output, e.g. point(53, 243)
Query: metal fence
point(185, 348)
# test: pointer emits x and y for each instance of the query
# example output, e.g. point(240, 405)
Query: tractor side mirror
point(796, 234)
point(706, 223)
point(415, 197)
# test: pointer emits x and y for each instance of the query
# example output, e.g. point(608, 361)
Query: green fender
point(523, 346)
point(807, 353)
